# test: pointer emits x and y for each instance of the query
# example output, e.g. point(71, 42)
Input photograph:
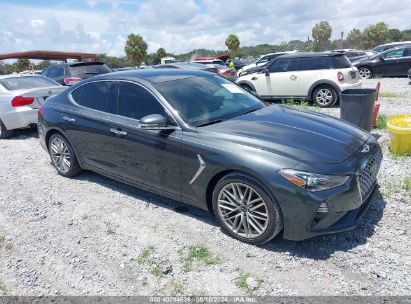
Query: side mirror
point(154, 122)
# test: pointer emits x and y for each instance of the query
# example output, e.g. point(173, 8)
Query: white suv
point(318, 77)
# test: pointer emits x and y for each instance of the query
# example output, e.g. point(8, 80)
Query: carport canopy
point(49, 55)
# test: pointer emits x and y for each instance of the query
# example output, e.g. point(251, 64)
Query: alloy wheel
point(60, 154)
point(324, 97)
point(243, 210)
point(365, 73)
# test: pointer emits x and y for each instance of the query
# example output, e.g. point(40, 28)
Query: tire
point(325, 96)
point(4, 133)
point(247, 88)
point(261, 224)
point(62, 156)
point(365, 72)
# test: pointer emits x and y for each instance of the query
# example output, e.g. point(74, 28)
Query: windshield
point(27, 82)
point(207, 99)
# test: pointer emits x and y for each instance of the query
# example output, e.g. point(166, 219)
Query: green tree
point(322, 33)
point(233, 43)
point(394, 35)
point(406, 35)
point(44, 64)
point(22, 65)
point(161, 53)
point(375, 34)
point(354, 38)
point(136, 49)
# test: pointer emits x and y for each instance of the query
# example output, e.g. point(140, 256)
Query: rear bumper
point(19, 117)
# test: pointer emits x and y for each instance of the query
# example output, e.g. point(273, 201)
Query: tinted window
point(27, 82)
point(203, 100)
point(339, 62)
point(94, 95)
point(394, 54)
point(284, 65)
point(313, 63)
point(263, 59)
point(407, 52)
point(136, 102)
point(55, 72)
point(89, 69)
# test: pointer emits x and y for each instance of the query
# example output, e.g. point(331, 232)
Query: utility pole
point(341, 41)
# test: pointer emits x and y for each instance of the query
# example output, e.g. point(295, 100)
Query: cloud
point(183, 25)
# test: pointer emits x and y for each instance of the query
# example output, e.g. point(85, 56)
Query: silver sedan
point(20, 98)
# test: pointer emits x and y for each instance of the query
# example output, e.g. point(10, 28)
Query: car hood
point(302, 135)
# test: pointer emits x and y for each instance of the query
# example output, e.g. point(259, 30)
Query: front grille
point(368, 174)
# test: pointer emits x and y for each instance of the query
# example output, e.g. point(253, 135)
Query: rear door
point(311, 70)
point(88, 125)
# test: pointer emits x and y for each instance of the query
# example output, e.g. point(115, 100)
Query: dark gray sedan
point(198, 138)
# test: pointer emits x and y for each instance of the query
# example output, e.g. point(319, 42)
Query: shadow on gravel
point(149, 197)
point(322, 247)
point(22, 134)
point(318, 248)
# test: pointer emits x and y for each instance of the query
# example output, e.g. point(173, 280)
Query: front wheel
point(62, 156)
point(365, 72)
point(325, 96)
point(245, 210)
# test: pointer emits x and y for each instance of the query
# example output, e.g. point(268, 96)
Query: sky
point(179, 26)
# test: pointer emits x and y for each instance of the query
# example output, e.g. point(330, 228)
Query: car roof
point(394, 43)
point(72, 64)
point(153, 75)
point(311, 54)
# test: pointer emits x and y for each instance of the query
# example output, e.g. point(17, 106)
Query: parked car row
point(196, 137)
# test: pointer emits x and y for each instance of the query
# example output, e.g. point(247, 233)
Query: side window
point(314, 63)
point(394, 54)
point(136, 102)
point(45, 72)
point(263, 59)
point(95, 95)
point(56, 72)
point(284, 65)
point(407, 52)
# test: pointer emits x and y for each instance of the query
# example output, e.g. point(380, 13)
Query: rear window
point(339, 62)
point(27, 82)
point(90, 69)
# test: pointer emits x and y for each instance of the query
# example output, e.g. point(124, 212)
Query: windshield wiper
point(210, 123)
point(249, 111)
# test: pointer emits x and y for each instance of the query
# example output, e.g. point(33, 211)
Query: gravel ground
point(94, 236)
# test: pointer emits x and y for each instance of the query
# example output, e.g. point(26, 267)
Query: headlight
point(313, 182)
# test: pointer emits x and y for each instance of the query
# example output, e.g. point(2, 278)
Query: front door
point(148, 157)
point(283, 79)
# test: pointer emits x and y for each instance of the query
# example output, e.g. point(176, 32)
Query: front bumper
point(309, 214)
point(19, 117)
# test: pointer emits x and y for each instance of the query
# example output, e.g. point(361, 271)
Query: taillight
point(340, 76)
point(226, 72)
point(71, 80)
point(20, 101)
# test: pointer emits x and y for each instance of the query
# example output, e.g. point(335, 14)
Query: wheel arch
point(248, 83)
point(52, 131)
point(318, 83)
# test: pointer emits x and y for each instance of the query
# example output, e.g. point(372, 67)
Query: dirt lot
point(93, 236)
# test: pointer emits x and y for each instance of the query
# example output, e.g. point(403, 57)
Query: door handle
point(118, 132)
point(293, 77)
point(68, 118)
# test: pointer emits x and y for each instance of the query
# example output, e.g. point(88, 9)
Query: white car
point(263, 60)
point(318, 77)
point(20, 98)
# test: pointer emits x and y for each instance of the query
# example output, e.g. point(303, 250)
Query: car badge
point(50, 92)
point(366, 149)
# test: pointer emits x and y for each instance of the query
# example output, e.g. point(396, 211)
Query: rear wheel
point(62, 156)
point(325, 96)
point(245, 210)
point(4, 133)
point(365, 72)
